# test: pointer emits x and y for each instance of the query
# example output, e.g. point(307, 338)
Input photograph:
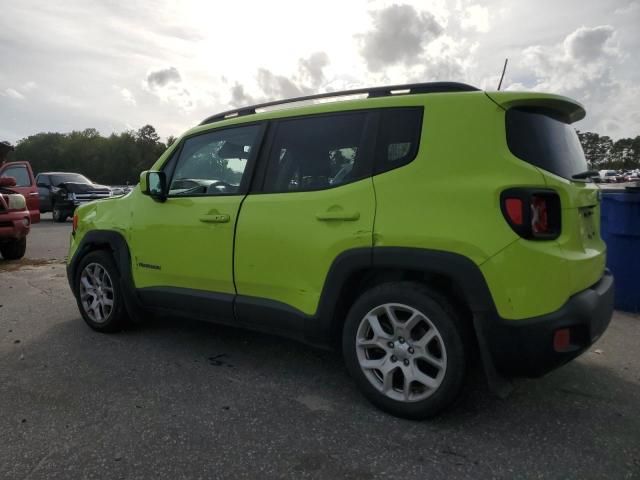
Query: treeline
point(605, 154)
point(119, 158)
point(114, 160)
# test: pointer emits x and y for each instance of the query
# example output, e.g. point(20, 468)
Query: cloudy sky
point(116, 65)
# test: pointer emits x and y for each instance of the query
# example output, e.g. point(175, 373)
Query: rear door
point(314, 200)
point(25, 185)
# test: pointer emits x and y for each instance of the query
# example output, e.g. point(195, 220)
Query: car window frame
point(367, 147)
point(170, 165)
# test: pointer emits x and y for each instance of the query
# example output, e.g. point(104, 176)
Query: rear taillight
point(532, 213)
point(74, 225)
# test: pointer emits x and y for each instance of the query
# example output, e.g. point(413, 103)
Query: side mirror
point(7, 182)
point(154, 184)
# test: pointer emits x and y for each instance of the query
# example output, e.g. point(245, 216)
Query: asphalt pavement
point(180, 399)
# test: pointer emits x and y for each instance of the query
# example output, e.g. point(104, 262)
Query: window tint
point(20, 173)
point(398, 137)
point(538, 138)
point(43, 180)
point(214, 163)
point(313, 153)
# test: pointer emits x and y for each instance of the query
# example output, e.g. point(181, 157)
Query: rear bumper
point(526, 347)
point(12, 225)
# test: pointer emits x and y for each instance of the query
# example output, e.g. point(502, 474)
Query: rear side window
point(316, 153)
point(398, 137)
point(542, 139)
point(20, 173)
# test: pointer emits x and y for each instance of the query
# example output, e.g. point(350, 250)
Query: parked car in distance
point(25, 185)
point(62, 192)
point(15, 220)
point(609, 176)
point(348, 224)
point(118, 190)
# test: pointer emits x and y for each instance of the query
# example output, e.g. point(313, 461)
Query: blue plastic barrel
point(620, 229)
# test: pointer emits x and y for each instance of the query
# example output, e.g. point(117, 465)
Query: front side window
point(20, 173)
point(214, 163)
point(315, 153)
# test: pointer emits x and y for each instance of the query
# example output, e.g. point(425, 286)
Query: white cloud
point(399, 35)
point(127, 96)
point(13, 93)
point(476, 17)
point(167, 85)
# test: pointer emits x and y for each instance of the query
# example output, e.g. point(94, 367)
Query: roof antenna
point(504, 69)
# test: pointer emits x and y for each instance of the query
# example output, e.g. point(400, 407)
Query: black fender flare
point(116, 244)
point(461, 271)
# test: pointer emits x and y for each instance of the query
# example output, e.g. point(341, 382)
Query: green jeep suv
point(413, 227)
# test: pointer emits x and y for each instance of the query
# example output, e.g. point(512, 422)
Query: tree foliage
point(604, 153)
point(116, 159)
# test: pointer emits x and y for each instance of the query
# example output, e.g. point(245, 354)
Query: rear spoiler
point(569, 109)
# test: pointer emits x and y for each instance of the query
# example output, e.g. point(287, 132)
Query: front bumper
point(14, 225)
point(526, 347)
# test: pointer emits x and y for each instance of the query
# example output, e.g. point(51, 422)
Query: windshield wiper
point(586, 174)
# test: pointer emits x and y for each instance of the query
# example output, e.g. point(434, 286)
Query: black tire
point(453, 336)
point(59, 216)
point(14, 249)
point(117, 318)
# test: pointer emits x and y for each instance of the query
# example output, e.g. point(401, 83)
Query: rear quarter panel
point(448, 199)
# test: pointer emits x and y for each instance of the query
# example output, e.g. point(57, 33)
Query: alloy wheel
point(96, 292)
point(401, 352)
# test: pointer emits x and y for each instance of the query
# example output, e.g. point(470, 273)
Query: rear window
point(544, 140)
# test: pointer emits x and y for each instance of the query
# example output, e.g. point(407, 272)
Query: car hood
point(83, 187)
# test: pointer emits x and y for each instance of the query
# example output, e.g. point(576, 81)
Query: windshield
point(68, 177)
point(541, 139)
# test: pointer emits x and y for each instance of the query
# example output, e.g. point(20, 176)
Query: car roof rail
point(372, 92)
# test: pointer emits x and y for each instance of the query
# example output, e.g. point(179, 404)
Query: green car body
point(297, 260)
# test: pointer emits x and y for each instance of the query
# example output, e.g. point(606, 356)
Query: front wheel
point(99, 293)
point(14, 250)
point(59, 215)
point(406, 349)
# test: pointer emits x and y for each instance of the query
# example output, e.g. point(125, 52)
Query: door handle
point(338, 215)
point(218, 218)
point(33, 194)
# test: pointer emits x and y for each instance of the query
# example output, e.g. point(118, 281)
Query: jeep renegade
point(410, 227)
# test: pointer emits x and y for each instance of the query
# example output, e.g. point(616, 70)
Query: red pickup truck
point(19, 208)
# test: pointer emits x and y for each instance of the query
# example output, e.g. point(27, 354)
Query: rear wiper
point(587, 174)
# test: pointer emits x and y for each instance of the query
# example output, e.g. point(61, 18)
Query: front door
point(182, 249)
point(25, 185)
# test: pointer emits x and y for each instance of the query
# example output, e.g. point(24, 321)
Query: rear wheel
point(406, 349)
point(99, 293)
point(14, 249)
